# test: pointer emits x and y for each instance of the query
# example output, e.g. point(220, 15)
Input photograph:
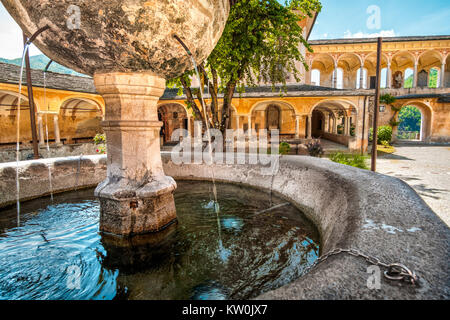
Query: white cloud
point(360, 34)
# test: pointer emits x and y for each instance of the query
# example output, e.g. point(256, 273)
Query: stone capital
point(124, 83)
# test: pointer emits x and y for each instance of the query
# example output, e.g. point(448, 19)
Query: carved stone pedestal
point(136, 197)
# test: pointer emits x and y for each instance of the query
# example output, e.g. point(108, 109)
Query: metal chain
point(395, 271)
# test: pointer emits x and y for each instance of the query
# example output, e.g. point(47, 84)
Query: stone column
point(416, 65)
point(361, 77)
point(297, 127)
point(334, 85)
point(389, 76)
point(237, 122)
point(329, 122)
point(348, 125)
point(136, 197)
point(56, 128)
point(41, 130)
point(335, 125)
point(326, 123)
point(249, 124)
point(189, 125)
point(309, 119)
point(442, 84)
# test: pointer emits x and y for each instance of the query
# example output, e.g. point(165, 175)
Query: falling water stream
point(46, 132)
point(224, 253)
point(25, 50)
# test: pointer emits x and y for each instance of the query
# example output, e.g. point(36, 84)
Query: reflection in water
point(58, 253)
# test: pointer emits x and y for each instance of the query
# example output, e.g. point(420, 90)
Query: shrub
point(315, 149)
point(100, 138)
point(384, 134)
point(100, 141)
point(285, 148)
point(353, 130)
point(353, 160)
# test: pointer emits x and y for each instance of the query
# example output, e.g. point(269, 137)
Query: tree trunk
point(226, 109)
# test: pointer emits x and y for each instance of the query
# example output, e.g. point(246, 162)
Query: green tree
point(409, 82)
point(433, 78)
point(261, 42)
point(410, 119)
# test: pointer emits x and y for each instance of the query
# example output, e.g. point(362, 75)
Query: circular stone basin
point(103, 36)
point(239, 253)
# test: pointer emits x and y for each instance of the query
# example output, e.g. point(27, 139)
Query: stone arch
point(433, 55)
point(327, 120)
point(162, 102)
point(370, 63)
point(80, 119)
point(9, 100)
point(234, 111)
point(8, 117)
point(174, 116)
point(339, 109)
point(70, 106)
point(427, 118)
point(401, 62)
point(287, 116)
point(325, 63)
point(341, 104)
point(372, 58)
point(350, 64)
point(429, 61)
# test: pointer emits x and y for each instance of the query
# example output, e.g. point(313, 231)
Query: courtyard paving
point(426, 169)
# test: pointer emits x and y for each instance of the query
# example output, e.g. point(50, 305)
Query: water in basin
point(58, 253)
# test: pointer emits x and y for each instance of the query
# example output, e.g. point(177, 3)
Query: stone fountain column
point(136, 197)
point(129, 47)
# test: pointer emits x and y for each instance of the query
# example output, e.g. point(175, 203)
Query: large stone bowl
point(125, 35)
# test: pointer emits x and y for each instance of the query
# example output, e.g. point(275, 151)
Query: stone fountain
point(128, 46)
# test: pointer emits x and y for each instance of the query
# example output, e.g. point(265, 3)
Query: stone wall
point(352, 208)
point(8, 154)
point(68, 174)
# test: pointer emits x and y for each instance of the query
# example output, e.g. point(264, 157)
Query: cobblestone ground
point(424, 168)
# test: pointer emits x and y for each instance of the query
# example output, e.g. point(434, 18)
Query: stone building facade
point(332, 102)
point(68, 107)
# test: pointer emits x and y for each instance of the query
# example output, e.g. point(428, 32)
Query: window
point(315, 77)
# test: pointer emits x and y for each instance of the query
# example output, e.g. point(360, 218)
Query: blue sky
point(338, 19)
point(348, 18)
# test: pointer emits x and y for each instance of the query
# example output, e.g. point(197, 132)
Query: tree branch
point(191, 100)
